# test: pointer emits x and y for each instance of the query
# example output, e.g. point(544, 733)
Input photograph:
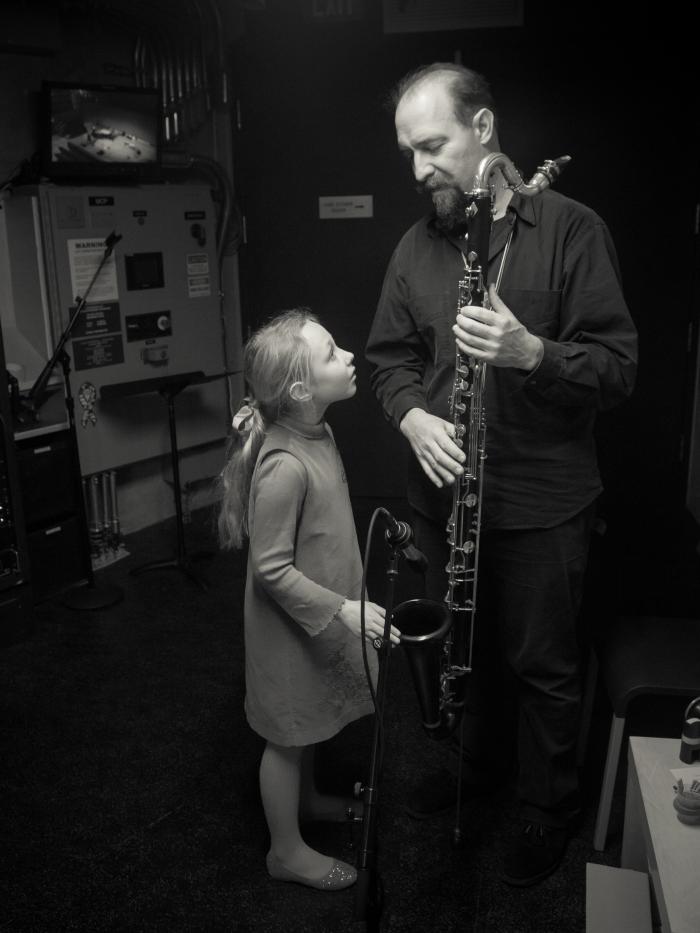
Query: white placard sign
point(345, 207)
point(84, 256)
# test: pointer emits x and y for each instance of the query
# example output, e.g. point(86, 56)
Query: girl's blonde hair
point(275, 357)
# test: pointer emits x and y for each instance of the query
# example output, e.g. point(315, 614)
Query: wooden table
point(654, 839)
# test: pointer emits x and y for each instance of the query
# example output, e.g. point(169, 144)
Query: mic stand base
point(369, 891)
point(92, 597)
point(182, 564)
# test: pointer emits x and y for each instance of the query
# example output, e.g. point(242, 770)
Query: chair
point(638, 656)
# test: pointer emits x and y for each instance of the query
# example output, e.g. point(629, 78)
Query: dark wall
point(313, 124)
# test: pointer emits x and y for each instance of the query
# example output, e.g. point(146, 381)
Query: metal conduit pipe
point(204, 71)
point(212, 169)
point(162, 85)
point(137, 63)
point(170, 79)
point(179, 90)
point(219, 36)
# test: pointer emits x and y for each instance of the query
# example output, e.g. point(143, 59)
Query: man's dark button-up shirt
point(561, 281)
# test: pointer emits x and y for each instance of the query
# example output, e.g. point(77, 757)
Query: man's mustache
point(424, 187)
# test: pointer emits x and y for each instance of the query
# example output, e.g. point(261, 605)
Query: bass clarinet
point(439, 637)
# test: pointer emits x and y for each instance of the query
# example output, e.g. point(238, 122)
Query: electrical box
point(153, 312)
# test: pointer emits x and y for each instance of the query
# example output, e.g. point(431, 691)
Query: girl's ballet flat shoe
point(340, 876)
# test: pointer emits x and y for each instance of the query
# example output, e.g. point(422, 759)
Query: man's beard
point(449, 203)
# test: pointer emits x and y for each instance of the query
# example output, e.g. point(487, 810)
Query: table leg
point(633, 844)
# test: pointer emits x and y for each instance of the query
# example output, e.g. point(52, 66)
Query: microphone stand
point(369, 890)
point(91, 596)
point(37, 395)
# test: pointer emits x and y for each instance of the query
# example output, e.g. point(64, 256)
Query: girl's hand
point(349, 615)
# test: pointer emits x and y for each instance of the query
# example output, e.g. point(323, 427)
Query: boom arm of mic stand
point(37, 394)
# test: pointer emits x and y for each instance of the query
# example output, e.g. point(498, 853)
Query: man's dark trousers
point(526, 662)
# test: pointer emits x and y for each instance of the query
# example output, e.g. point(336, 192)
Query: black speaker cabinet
point(59, 552)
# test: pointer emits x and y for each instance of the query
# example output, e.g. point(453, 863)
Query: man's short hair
point(470, 91)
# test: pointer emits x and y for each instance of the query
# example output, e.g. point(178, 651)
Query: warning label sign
point(98, 351)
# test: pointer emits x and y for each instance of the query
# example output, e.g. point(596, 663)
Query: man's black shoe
point(437, 794)
point(534, 854)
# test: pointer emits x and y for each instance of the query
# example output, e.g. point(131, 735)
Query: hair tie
point(243, 419)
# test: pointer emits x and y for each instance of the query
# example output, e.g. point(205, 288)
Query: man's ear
point(484, 124)
point(299, 392)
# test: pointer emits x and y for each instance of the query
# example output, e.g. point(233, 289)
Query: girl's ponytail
point(235, 478)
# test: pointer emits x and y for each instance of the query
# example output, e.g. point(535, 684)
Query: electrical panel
point(153, 311)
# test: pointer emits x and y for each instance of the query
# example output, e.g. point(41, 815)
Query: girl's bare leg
point(280, 782)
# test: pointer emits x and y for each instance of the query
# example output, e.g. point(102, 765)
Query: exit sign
point(334, 11)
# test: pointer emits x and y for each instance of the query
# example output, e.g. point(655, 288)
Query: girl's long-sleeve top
point(304, 674)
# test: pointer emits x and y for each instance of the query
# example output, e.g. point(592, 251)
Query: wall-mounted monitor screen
point(101, 132)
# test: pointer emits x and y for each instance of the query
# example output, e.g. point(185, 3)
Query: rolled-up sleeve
point(278, 498)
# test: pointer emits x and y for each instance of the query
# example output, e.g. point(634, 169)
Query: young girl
point(285, 490)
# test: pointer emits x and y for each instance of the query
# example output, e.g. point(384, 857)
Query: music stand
point(167, 387)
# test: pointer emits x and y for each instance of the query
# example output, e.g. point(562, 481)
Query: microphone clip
point(399, 535)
